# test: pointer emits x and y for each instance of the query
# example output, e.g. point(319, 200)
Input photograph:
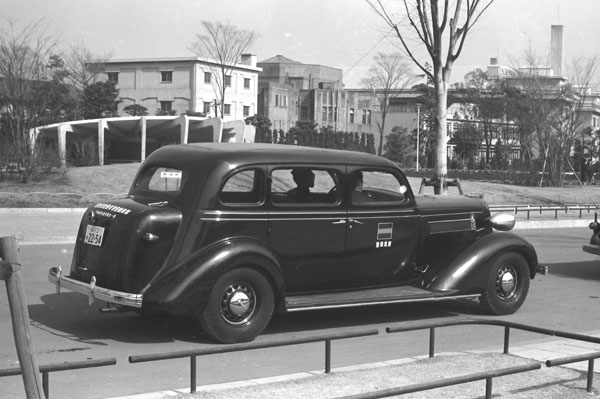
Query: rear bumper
point(591, 249)
point(92, 291)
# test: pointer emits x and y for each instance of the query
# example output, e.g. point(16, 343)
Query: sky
point(344, 34)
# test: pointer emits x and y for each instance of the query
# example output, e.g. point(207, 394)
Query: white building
point(183, 84)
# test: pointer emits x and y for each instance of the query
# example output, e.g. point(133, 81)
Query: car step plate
point(365, 297)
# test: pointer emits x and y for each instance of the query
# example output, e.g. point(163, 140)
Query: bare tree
point(222, 44)
point(83, 69)
point(425, 23)
point(390, 73)
point(29, 95)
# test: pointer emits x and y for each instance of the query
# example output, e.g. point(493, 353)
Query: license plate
point(94, 235)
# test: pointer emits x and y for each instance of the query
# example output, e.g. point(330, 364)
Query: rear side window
point(304, 185)
point(241, 188)
point(160, 179)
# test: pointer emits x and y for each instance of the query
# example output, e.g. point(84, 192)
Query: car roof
point(255, 153)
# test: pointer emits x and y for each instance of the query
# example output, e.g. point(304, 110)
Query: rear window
point(160, 179)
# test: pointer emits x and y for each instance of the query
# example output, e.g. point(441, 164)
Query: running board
point(377, 296)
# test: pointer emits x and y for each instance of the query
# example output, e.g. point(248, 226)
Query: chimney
point(556, 50)
point(248, 59)
point(494, 61)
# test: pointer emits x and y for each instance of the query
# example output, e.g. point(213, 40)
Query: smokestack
point(556, 50)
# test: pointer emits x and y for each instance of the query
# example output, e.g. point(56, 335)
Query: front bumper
point(92, 291)
point(591, 249)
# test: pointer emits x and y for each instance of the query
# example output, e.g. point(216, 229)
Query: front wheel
point(239, 307)
point(507, 285)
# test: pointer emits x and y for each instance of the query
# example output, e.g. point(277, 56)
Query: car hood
point(449, 204)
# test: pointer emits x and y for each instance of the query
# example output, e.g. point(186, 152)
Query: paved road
point(65, 328)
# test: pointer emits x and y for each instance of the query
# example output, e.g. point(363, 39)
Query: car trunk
point(123, 243)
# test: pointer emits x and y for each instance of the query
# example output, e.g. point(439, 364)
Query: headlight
point(503, 221)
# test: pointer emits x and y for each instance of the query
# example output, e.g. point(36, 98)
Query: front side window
point(166, 76)
point(303, 185)
point(376, 187)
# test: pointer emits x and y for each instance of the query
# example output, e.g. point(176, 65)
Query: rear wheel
point(239, 307)
point(507, 285)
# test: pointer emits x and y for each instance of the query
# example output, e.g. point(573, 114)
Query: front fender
point(185, 287)
point(467, 273)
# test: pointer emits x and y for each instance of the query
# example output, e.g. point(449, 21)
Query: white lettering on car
point(113, 208)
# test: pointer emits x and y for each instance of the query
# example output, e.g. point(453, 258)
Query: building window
point(277, 100)
point(324, 115)
point(246, 111)
point(112, 77)
point(206, 108)
point(351, 115)
point(166, 105)
point(246, 83)
point(364, 117)
point(166, 76)
point(368, 117)
point(207, 77)
point(227, 109)
point(284, 101)
point(227, 80)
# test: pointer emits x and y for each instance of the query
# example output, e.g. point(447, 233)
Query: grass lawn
point(82, 186)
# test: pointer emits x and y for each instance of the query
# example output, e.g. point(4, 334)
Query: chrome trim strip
point(92, 291)
point(351, 305)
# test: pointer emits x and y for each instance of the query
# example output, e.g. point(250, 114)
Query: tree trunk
point(441, 170)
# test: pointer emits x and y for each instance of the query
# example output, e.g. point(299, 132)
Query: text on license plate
point(93, 235)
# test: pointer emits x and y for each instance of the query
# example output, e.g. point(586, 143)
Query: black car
point(231, 233)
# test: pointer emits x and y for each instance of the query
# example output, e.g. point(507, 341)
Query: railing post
point(590, 376)
point(192, 374)
point(506, 339)
point(431, 342)
point(327, 356)
point(17, 303)
point(488, 388)
point(46, 384)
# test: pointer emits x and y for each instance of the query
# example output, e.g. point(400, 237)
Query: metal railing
point(446, 382)
point(194, 353)
point(46, 369)
point(528, 209)
point(507, 326)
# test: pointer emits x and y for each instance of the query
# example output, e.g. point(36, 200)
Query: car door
point(382, 230)
point(307, 230)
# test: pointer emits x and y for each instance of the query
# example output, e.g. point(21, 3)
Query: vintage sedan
point(231, 233)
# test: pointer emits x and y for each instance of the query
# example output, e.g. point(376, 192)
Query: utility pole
point(418, 132)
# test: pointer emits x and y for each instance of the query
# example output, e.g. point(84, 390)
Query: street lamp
point(418, 131)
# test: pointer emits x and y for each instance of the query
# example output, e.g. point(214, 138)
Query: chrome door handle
point(341, 221)
point(356, 221)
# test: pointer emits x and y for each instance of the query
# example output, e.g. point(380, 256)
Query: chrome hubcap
point(506, 282)
point(238, 303)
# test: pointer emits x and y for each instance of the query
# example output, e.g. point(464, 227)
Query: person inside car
point(305, 180)
point(357, 185)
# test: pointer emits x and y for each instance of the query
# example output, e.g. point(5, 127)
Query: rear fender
point(185, 287)
point(467, 273)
